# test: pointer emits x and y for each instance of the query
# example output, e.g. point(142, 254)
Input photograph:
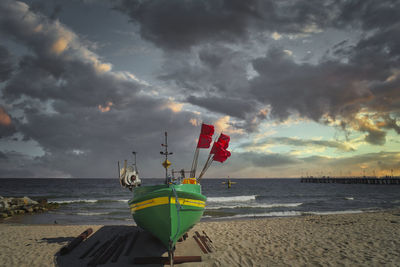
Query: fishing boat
point(169, 210)
point(229, 183)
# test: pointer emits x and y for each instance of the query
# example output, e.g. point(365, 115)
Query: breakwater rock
point(10, 206)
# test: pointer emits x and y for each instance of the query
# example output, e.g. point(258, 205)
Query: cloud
point(2, 156)
point(300, 142)
point(215, 73)
point(374, 135)
point(105, 108)
point(194, 122)
point(60, 45)
point(330, 89)
point(221, 56)
point(370, 14)
point(267, 160)
point(174, 106)
point(336, 88)
point(230, 106)
point(380, 162)
point(24, 166)
point(276, 36)
point(271, 164)
point(5, 119)
point(182, 24)
point(6, 66)
point(223, 124)
point(7, 127)
point(390, 123)
point(58, 91)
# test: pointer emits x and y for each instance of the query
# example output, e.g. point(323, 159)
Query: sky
point(303, 88)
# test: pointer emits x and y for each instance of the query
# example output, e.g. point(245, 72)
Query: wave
point(92, 213)
point(75, 201)
point(231, 199)
point(349, 198)
point(255, 205)
point(332, 212)
point(267, 214)
point(89, 201)
point(286, 214)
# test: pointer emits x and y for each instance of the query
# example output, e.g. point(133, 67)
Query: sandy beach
point(362, 239)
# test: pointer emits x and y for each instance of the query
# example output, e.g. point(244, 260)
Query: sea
point(105, 202)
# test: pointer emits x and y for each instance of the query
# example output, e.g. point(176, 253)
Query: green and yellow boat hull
point(167, 211)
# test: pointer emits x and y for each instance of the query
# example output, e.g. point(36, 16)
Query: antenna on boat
point(166, 162)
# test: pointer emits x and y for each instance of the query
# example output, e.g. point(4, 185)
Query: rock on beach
point(10, 206)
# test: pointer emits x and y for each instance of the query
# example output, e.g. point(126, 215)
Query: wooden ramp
point(131, 246)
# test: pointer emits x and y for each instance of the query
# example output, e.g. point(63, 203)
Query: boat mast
point(166, 163)
point(134, 159)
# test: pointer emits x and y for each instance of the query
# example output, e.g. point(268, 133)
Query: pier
point(352, 180)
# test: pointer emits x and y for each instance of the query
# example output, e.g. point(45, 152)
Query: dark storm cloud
point(330, 89)
point(2, 156)
point(310, 90)
point(300, 142)
point(17, 165)
point(350, 78)
point(61, 67)
point(86, 143)
point(391, 123)
point(369, 14)
point(216, 80)
point(266, 160)
point(213, 69)
point(233, 107)
point(7, 130)
point(53, 9)
point(8, 172)
point(181, 24)
point(6, 65)
point(77, 82)
point(57, 9)
point(83, 115)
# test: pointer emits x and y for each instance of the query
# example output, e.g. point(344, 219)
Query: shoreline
point(21, 219)
point(355, 239)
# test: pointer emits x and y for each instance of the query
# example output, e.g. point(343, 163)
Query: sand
point(364, 239)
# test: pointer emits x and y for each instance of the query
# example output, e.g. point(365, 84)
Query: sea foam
point(231, 199)
point(75, 201)
point(254, 205)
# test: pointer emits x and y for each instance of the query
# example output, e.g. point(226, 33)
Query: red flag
point(216, 147)
point(224, 139)
point(222, 143)
point(205, 137)
point(204, 141)
point(222, 155)
point(219, 151)
point(207, 129)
